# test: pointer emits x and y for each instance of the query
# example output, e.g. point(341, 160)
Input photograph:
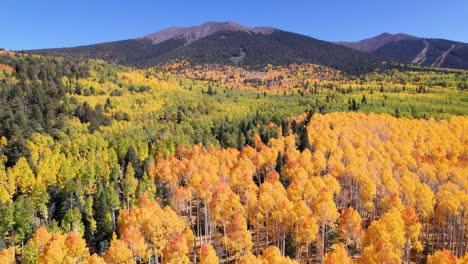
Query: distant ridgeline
point(421, 51)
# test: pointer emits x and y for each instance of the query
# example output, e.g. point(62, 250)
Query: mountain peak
point(192, 34)
point(225, 24)
point(385, 34)
point(371, 44)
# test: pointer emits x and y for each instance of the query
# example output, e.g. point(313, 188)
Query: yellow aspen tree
point(442, 257)
point(387, 234)
point(118, 252)
point(238, 239)
point(207, 254)
point(7, 256)
point(351, 227)
point(135, 241)
point(95, 259)
point(338, 255)
point(273, 255)
point(23, 175)
point(35, 245)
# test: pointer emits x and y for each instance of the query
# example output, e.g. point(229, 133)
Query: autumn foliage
point(388, 187)
point(146, 166)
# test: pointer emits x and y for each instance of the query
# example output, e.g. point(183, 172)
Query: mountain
point(192, 34)
point(225, 43)
point(409, 49)
point(372, 44)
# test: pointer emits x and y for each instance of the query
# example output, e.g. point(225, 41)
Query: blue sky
point(30, 24)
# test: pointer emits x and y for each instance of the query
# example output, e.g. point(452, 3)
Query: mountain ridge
point(373, 43)
point(404, 48)
point(225, 43)
point(229, 43)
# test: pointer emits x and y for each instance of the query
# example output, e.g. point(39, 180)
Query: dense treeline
point(151, 166)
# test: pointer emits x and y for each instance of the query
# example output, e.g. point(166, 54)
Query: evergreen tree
point(132, 158)
point(363, 100)
point(304, 140)
point(23, 218)
point(397, 113)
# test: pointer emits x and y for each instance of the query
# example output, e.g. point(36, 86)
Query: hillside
point(180, 163)
point(226, 44)
point(427, 52)
point(421, 51)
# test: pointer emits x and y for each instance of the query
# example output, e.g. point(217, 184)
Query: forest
point(182, 163)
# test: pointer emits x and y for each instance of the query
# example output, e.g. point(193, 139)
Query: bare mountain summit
point(192, 34)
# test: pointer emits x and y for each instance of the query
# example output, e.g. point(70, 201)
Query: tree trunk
point(257, 235)
point(408, 251)
point(322, 249)
point(113, 218)
point(224, 236)
point(198, 221)
point(207, 227)
point(266, 231)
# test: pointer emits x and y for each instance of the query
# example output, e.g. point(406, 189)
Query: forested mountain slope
point(421, 51)
point(226, 44)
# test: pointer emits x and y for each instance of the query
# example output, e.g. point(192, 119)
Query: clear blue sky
point(30, 24)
